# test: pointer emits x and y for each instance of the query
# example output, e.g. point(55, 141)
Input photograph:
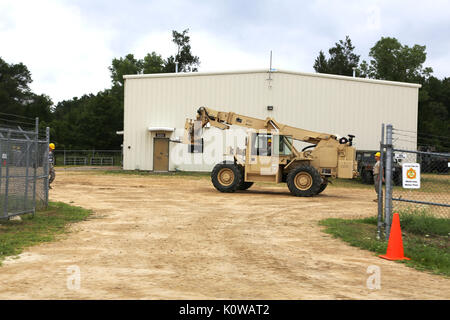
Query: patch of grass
point(420, 222)
point(425, 239)
point(43, 227)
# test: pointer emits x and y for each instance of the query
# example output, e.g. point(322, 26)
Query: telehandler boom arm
point(223, 120)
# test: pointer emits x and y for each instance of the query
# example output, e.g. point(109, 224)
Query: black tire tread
point(237, 174)
point(317, 181)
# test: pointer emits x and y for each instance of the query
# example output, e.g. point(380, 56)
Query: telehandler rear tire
point(226, 177)
point(304, 181)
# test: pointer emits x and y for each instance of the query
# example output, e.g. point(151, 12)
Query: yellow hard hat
point(377, 154)
point(52, 146)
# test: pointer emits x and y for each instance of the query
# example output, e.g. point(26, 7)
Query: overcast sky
point(68, 45)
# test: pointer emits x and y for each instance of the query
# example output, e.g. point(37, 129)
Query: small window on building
point(196, 147)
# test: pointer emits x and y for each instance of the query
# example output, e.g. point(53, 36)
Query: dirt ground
point(158, 237)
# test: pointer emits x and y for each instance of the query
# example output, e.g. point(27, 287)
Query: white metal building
point(157, 105)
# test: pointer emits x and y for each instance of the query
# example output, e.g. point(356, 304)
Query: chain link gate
point(24, 171)
point(425, 177)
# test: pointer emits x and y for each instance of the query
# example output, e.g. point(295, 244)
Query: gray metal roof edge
point(308, 74)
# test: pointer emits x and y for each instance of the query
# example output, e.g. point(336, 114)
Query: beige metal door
point(160, 154)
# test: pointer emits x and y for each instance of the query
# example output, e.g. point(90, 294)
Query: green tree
point(88, 122)
point(187, 62)
point(40, 106)
point(434, 113)
point(342, 59)
point(390, 60)
point(321, 63)
point(153, 63)
point(122, 66)
point(16, 98)
point(14, 87)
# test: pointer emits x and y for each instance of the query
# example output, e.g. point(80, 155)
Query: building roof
point(307, 74)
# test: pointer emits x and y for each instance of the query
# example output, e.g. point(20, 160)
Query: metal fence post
point(46, 165)
point(1, 169)
point(388, 181)
point(27, 178)
point(35, 162)
point(380, 186)
point(8, 138)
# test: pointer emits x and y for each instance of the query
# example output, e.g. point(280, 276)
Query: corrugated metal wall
point(329, 104)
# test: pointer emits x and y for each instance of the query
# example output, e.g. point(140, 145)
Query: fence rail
point(70, 161)
point(102, 161)
point(88, 157)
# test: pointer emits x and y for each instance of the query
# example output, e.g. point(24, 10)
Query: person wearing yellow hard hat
point(376, 174)
point(269, 146)
point(51, 162)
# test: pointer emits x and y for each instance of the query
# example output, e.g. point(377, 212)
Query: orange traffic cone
point(395, 244)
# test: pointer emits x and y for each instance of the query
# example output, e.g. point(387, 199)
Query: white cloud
point(159, 42)
point(68, 45)
point(373, 18)
point(218, 54)
point(215, 54)
point(66, 56)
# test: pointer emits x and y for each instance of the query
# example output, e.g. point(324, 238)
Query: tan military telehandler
point(270, 154)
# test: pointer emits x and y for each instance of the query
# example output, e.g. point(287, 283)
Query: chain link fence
point(424, 186)
point(432, 194)
point(23, 171)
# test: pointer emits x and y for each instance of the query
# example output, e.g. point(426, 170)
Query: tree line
point(91, 121)
point(391, 60)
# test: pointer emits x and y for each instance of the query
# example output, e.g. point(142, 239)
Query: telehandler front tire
point(304, 181)
point(226, 177)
